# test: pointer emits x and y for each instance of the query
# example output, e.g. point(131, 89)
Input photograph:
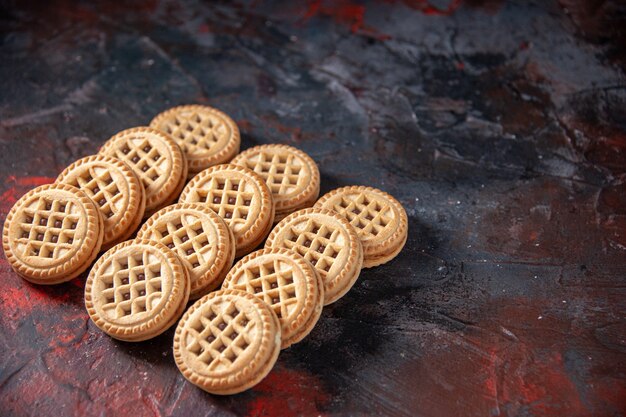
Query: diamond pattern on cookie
point(282, 173)
point(287, 283)
point(227, 342)
point(368, 215)
point(144, 158)
point(379, 219)
point(272, 281)
point(291, 175)
point(220, 335)
point(318, 243)
point(132, 286)
point(206, 135)
point(200, 238)
point(156, 160)
point(189, 240)
point(196, 129)
point(230, 198)
point(48, 228)
point(137, 290)
point(328, 242)
point(240, 197)
point(114, 188)
point(52, 234)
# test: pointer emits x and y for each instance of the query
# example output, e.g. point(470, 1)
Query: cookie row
point(139, 171)
point(138, 289)
point(227, 341)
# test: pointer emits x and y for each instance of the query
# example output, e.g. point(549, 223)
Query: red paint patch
point(18, 187)
point(539, 389)
point(18, 300)
point(430, 10)
point(303, 391)
point(295, 133)
point(346, 13)
point(244, 124)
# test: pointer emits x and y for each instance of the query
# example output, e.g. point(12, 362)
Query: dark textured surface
point(501, 127)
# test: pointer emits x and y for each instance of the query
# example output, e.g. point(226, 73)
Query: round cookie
point(240, 197)
point(137, 290)
point(328, 241)
point(155, 158)
point(378, 218)
point(287, 283)
point(116, 190)
point(52, 234)
point(203, 242)
point(206, 135)
point(227, 342)
point(291, 175)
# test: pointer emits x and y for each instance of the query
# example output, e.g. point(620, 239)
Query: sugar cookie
point(137, 290)
point(227, 342)
point(291, 175)
point(155, 158)
point(202, 240)
point(378, 218)
point(240, 197)
point(287, 283)
point(116, 190)
point(206, 135)
point(52, 234)
point(328, 241)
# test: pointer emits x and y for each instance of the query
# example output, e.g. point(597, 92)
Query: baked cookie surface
point(379, 219)
point(292, 175)
point(155, 158)
point(52, 234)
point(227, 342)
point(240, 197)
point(328, 242)
point(116, 190)
point(206, 135)
point(287, 283)
point(202, 240)
point(136, 290)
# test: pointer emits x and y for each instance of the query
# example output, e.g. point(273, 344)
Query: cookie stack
point(203, 205)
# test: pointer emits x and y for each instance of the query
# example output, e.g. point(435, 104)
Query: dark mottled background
point(501, 127)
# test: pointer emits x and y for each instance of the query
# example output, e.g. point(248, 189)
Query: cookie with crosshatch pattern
point(207, 135)
point(227, 342)
point(292, 175)
point(379, 219)
point(116, 190)
point(52, 234)
point(328, 241)
point(240, 197)
point(137, 290)
point(202, 240)
point(155, 158)
point(287, 283)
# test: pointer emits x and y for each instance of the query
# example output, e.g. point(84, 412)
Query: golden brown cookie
point(207, 136)
point(116, 190)
point(137, 290)
point(240, 197)
point(52, 234)
point(202, 240)
point(155, 158)
point(287, 283)
point(328, 241)
point(379, 219)
point(227, 342)
point(292, 175)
